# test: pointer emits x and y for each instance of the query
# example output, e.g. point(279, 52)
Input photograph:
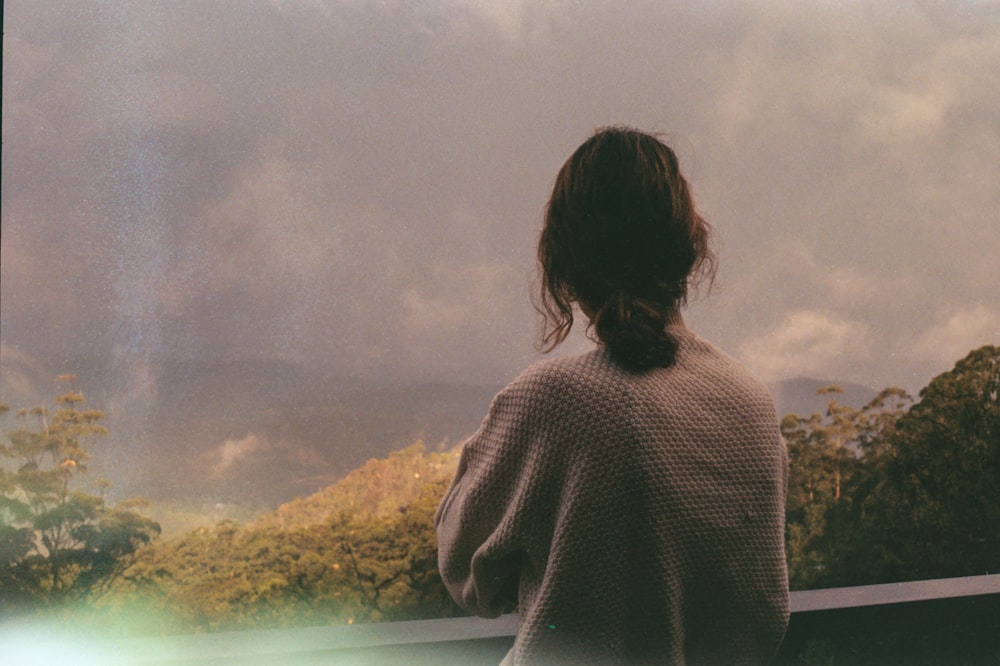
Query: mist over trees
point(898, 489)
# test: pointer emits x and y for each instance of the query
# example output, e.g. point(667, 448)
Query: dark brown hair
point(622, 239)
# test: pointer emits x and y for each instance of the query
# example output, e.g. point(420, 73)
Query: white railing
point(415, 641)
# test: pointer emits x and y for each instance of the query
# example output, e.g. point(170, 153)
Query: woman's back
point(640, 515)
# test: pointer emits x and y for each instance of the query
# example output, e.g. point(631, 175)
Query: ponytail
point(634, 328)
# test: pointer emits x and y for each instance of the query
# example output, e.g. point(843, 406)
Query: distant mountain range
point(214, 438)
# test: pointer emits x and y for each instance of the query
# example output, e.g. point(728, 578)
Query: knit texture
point(632, 517)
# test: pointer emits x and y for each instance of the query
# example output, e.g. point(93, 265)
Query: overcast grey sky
point(358, 185)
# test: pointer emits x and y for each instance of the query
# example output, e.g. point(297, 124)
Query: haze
point(358, 186)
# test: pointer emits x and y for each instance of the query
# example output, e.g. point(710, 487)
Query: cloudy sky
point(358, 185)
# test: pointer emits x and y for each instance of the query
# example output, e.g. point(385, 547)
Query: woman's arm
point(492, 518)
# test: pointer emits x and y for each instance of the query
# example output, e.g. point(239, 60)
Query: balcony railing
point(944, 621)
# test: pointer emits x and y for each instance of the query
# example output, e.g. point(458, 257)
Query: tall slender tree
point(830, 468)
point(57, 542)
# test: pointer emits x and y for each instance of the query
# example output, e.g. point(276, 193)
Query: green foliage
point(824, 471)
point(884, 494)
point(375, 490)
point(931, 505)
point(363, 550)
point(57, 543)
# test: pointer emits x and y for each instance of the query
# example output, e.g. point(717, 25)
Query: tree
point(829, 469)
point(392, 563)
point(58, 543)
point(931, 507)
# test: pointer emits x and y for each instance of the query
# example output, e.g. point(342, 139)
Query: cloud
point(231, 453)
point(356, 186)
point(960, 332)
point(359, 185)
point(935, 86)
point(516, 20)
point(460, 312)
point(806, 344)
point(450, 294)
point(25, 381)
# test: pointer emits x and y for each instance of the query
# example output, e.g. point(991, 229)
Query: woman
point(629, 501)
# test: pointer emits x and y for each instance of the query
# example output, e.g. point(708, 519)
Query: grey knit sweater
point(631, 517)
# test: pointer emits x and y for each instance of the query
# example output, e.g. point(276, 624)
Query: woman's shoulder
point(716, 372)
point(567, 382)
point(705, 357)
point(588, 370)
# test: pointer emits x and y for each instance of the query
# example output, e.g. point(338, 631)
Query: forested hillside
point(375, 491)
point(362, 550)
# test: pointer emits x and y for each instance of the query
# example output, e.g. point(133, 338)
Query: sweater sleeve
point(489, 520)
